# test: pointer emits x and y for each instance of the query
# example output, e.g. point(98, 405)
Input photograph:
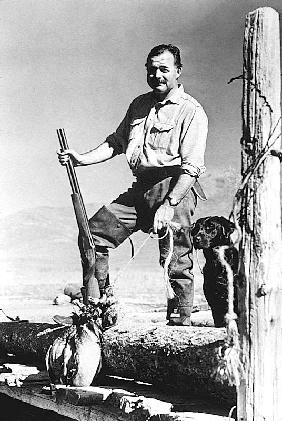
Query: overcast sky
point(78, 64)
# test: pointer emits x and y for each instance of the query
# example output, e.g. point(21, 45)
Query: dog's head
point(212, 231)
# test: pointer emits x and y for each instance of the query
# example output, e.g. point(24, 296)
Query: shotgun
point(90, 284)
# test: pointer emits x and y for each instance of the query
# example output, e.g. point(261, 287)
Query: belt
point(154, 175)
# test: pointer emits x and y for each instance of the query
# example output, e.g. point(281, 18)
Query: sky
point(77, 64)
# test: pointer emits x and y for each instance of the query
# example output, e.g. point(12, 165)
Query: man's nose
point(158, 73)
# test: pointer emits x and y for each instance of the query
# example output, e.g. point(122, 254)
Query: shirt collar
point(174, 96)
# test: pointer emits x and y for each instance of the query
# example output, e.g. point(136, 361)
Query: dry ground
point(141, 297)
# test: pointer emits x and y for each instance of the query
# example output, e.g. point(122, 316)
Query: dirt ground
point(40, 310)
point(141, 297)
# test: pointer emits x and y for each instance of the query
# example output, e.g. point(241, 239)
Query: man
point(163, 136)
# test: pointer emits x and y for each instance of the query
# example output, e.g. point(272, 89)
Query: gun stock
point(82, 223)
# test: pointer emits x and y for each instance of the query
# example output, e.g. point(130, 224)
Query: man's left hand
point(163, 216)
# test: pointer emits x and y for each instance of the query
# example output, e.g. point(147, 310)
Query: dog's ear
point(192, 227)
point(227, 226)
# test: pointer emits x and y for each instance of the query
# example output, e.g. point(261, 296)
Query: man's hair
point(159, 49)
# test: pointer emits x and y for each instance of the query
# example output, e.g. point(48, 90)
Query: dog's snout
point(197, 232)
point(197, 237)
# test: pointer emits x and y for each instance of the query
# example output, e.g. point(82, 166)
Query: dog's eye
point(210, 227)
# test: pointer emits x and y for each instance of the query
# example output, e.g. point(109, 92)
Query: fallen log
point(173, 358)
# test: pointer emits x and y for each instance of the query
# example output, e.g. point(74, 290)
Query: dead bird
point(75, 357)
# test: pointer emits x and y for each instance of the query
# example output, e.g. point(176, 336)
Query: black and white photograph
point(140, 216)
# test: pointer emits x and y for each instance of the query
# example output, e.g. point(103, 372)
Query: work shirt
point(164, 133)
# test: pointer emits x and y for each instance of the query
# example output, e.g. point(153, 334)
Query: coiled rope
point(170, 228)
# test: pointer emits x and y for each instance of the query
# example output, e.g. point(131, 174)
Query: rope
point(171, 227)
point(198, 263)
point(230, 368)
point(169, 291)
point(123, 269)
point(231, 412)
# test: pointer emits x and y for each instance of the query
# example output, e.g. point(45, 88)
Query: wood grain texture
point(173, 358)
point(259, 396)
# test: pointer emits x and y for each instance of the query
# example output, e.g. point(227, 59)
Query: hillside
point(39, 245)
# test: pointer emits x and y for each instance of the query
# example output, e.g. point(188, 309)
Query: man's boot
point(180, 307)
point(108, 302)
point(90, 287)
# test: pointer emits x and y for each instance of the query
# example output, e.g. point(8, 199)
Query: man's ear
point(179, 71)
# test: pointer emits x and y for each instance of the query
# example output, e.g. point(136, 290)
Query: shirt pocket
point(161, 135)
point(136, 127)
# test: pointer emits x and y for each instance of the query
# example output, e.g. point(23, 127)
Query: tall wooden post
point(260, 394)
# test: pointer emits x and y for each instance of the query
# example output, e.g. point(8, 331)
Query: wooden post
point(260, 394)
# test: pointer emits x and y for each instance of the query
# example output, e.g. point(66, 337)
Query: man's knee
point(107, 230)
point(181, 263)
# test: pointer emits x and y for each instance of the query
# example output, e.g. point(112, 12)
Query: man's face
point(162, 74)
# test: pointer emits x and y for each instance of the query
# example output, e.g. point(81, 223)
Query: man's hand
point(64, 157)
point(102, 153)
point(163, 216)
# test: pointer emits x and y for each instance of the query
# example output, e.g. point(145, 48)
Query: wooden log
point(119, 406)
point(93, 402)
point(183, 359)
point(81, 396)
point(259, 395)
point(39, 400)
point(176, 358)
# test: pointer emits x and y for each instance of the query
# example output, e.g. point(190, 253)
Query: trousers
point(134, 210)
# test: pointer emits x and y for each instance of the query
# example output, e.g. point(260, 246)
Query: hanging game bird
point(75, 357)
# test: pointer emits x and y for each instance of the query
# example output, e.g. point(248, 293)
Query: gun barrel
point(70, 168)
point(79, 207)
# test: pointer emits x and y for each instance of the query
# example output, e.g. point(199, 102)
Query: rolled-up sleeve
point(193, 143)
point(119, 139)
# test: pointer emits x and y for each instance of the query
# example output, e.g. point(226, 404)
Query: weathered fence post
point(260, 394)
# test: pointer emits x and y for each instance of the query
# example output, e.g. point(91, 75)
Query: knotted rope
point(229, 368)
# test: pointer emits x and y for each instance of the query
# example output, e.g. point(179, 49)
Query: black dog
point(209, 234)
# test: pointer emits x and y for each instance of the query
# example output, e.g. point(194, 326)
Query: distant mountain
point(40, 244)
